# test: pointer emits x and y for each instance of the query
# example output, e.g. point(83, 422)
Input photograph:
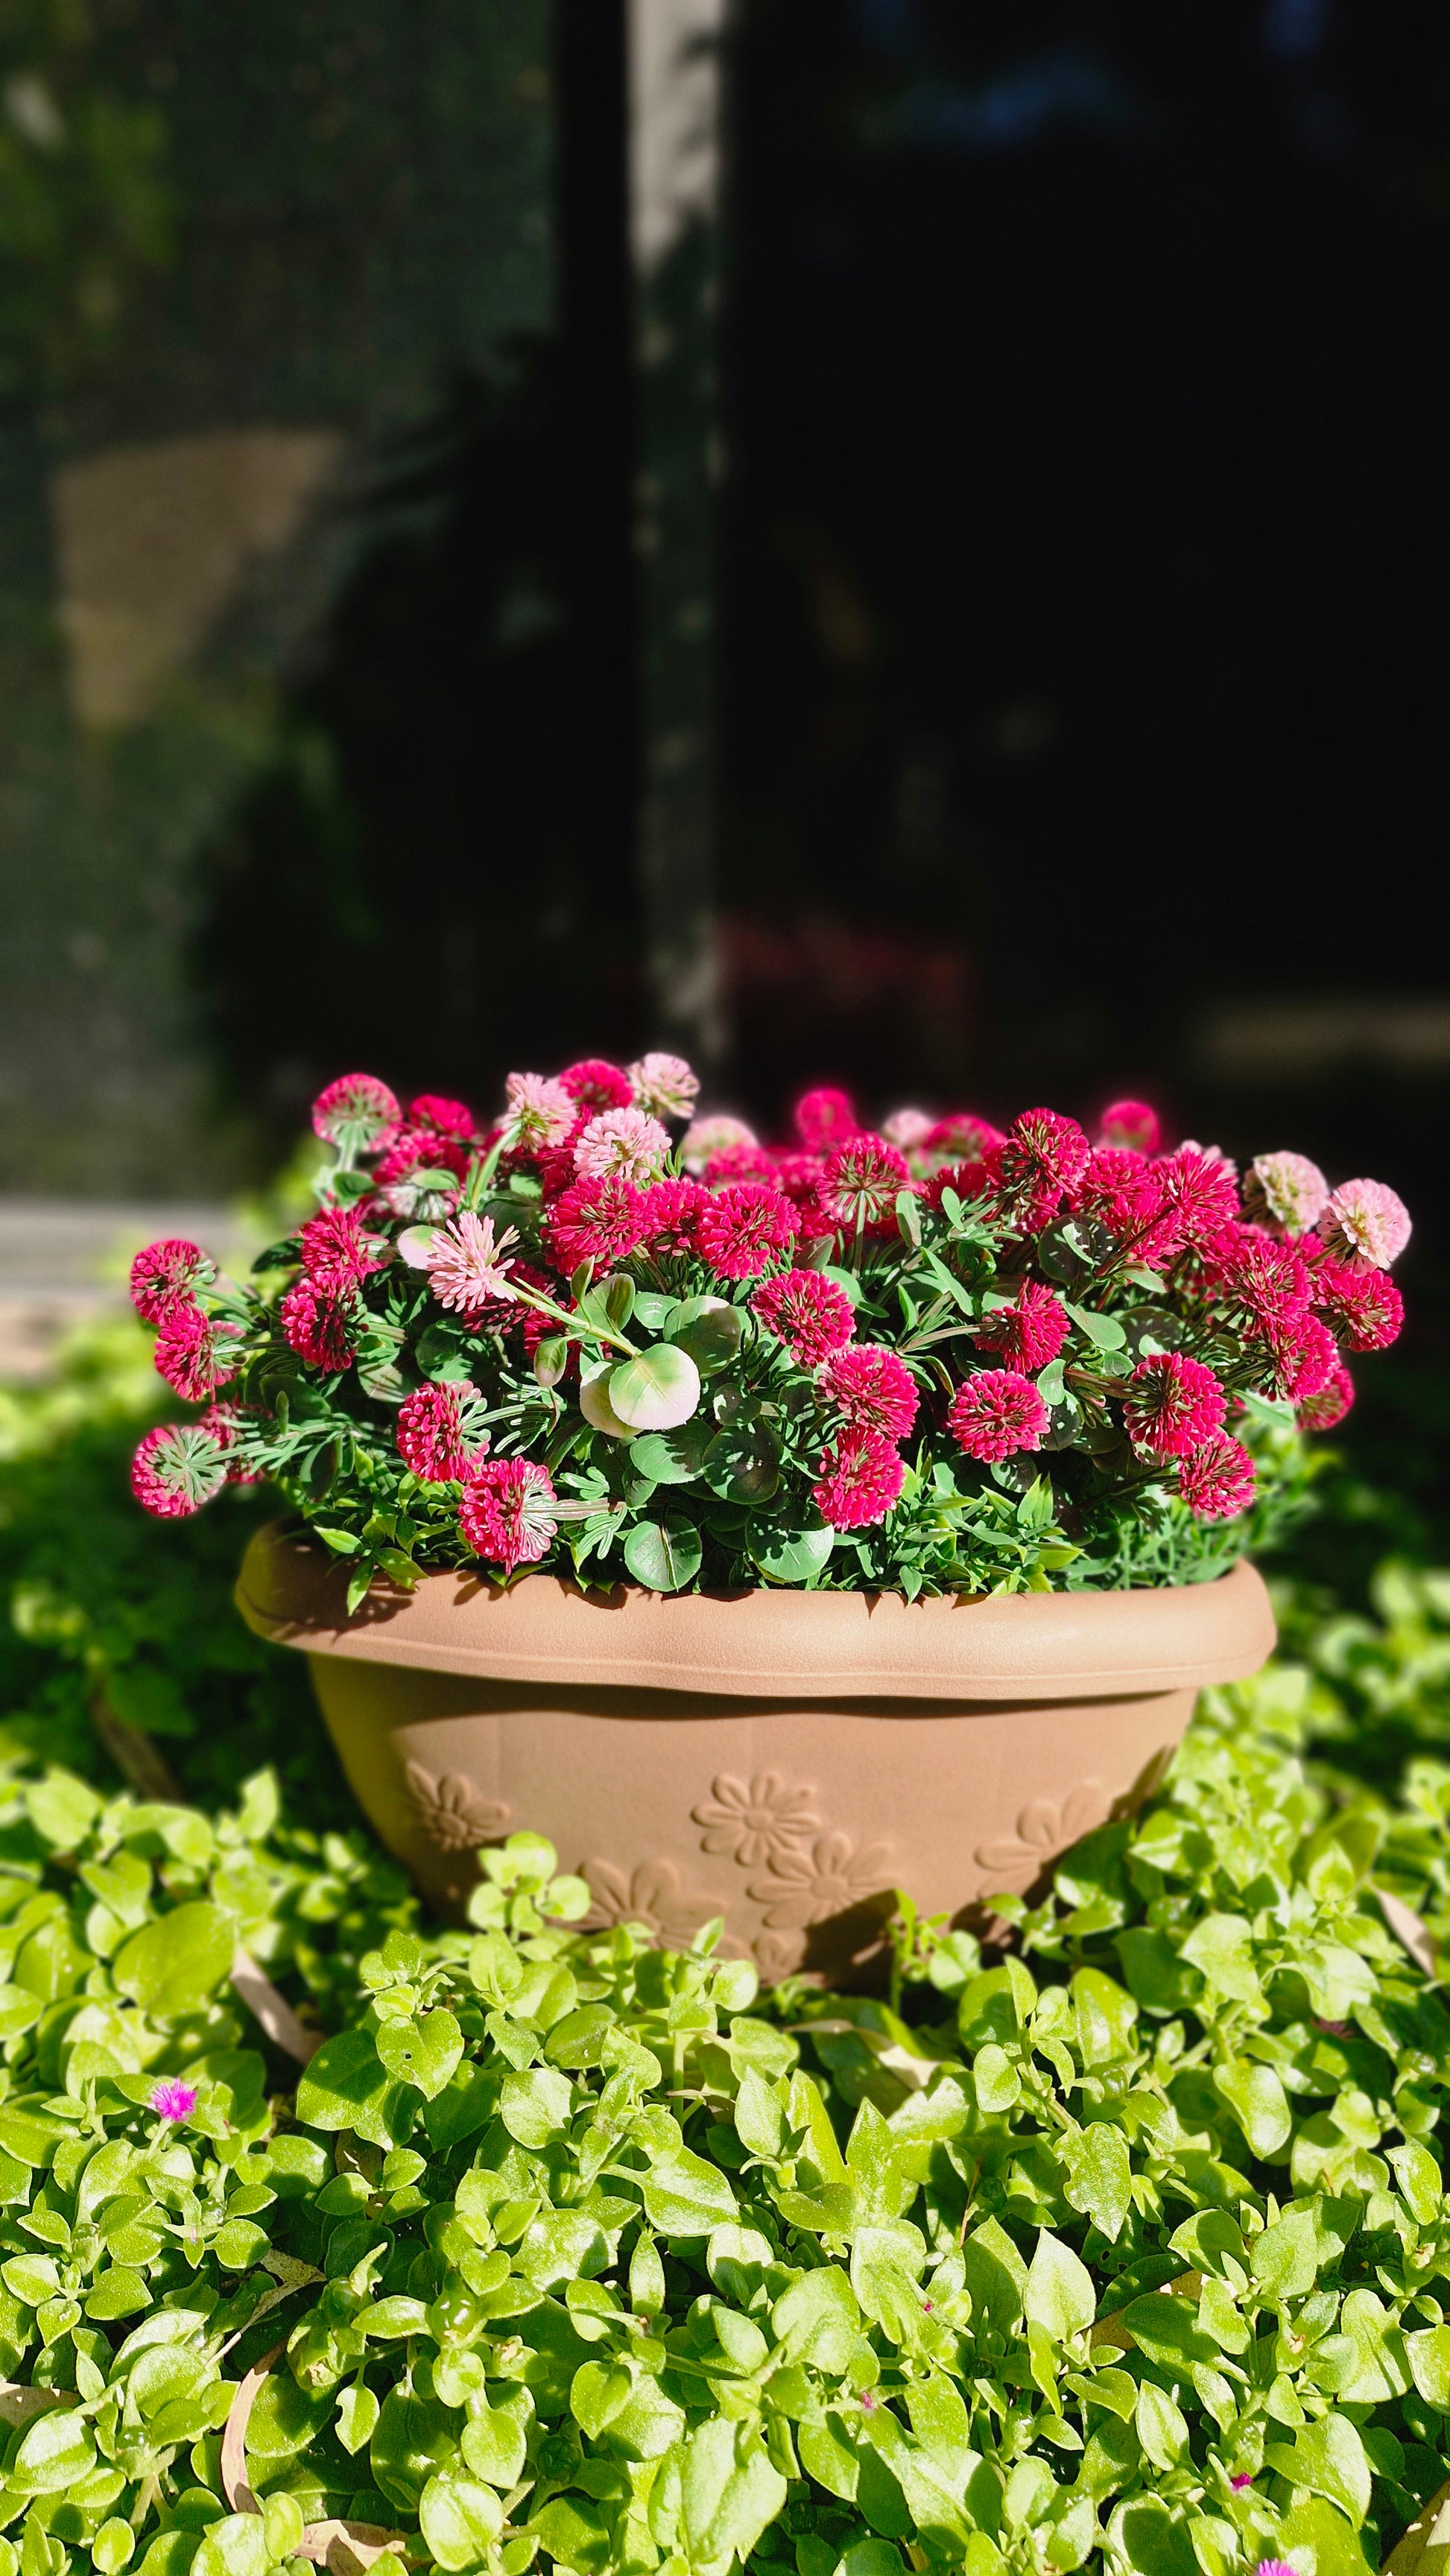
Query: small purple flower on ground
point(172, 2100)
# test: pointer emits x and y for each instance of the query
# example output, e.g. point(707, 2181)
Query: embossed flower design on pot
point(1043, 1830)
point(654, 1894)
point(753, 1820)
point(807, 1887)
point(452, 1812)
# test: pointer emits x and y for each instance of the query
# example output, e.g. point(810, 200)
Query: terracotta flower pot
point(785, 1759)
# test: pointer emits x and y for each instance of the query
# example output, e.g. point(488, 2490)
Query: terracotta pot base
point(793, 1812)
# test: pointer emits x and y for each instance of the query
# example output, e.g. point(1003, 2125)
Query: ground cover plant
point(1124, 2247)
point(937, 1357)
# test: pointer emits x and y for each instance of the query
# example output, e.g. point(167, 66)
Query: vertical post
point(675, 79)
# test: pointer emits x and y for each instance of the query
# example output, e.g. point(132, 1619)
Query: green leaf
point(234, 2546)
point(172, 1965)
point(1059, 2294)
point(665, 1554)
point(1285, 2259)
point(1221, 1947)
point(674, 1457)
point(494, 2441)
point(657, 1390)
point(461, 2518)
point(685, 2196)
point(731, 2492)
point(1258, 2102)
point(1160, 2426)
point(423, 2052)
point(357, 2416)
point(794, 1556)
point(346, 2086)
point(710, 1330)
point(1104, 1331)
point(1099, 2174)
point(54, 2453)
point(1328, 2457)
point(535, 2104)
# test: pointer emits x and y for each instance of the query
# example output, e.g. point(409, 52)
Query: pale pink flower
point(907, 1128)
point(540, 1113)
point(1287, 1189)
point(664, 1085)
point(466, 1265)
point(708, 1137)
point(1367, 1218)
point(622, 1144)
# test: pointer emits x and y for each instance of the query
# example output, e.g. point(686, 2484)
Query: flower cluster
point(604, 1334)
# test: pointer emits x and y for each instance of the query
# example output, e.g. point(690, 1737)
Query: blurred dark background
point(982, 568)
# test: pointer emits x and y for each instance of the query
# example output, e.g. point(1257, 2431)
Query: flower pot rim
point(770, 1643)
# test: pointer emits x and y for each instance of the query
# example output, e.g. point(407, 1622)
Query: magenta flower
point(1321, 1412)
point(861, 1478)
point(336, 1251)
point(177, 1468)
point(1364, 1307)
point(1242, 2480)
point(430, 1432)
point(194, 1354)
point(825, 1119)
point(1275, 2567)
point(317, 1321)
point(704, 1138)
point(596, 1221)
point(1028, 1333)
point(593, 1084)
point(743, 1227)
point(1217, 1481)
point(357, 1113)
point(173, 2100)
point(861, 1181)
point(504, 1514)
point(811, 1315)
point(873, 1387)
point(997, 1413)
point(165, 1275)
point(1041, 1158)
point(1172, 1405)
point(1133, 1123)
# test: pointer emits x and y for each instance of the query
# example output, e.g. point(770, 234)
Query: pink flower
point(194, 1354)
point(1216, 1480)
point(1131, 1122)
point(443, 1116)
point(873, 1388)
point(811, 1315)
point(1367, 1218)
point(1041, 1158)
point(173, 2100)
point(1241, 2481)
point(1028, 1333)
point(540, 1114)
point(1173, 1405)
point(176, 1469)
point(1321, 1412)
point(665, 1085)
point(317, 1322)
point(165, 1274)
point(1123, 1191)
point(504, 1514)
point(430, 1432)
point(1306, 1355)
point(623, 1143)
point(1200, 1197)
point(596, 1221)
point(1288, 1189)
point(860, 1480)
point(996, 1413)
point(1265, 1277)
point(907, 1128)
point(962, 1138)
point(670, 1210)
point(861, 1181)
point(743, 1228)
point(1275, 2567)
point(335, 1250)
point(707, 1137)
point(467, 1265)
point(597, 1085)
point(1364, 1307)
point(224, 1422)
point(357, 1113)
point(742, 1163)
point(824, 1119)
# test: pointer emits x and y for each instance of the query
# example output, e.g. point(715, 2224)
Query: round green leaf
point(460, 2518)
point(664, 1554)
point(710, 1329)
point(670, 1457)
point(792, 1556)
point(423, 2052)
point(551, 1359)
point(742, 1463)
point(595, 1405)
point(656, 1391)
